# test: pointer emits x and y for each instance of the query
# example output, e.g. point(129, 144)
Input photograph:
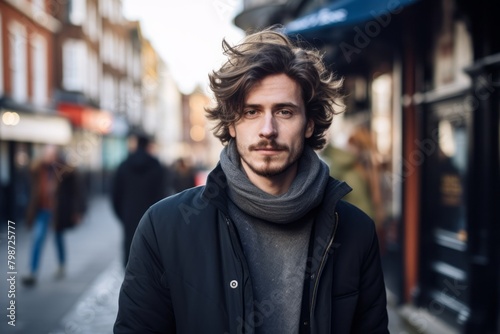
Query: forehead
point(276, 88)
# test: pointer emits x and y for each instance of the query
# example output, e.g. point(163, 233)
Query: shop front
point(86, 149)
point(458, 104)
point(22, 135)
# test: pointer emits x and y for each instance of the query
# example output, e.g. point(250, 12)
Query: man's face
point(271, 132)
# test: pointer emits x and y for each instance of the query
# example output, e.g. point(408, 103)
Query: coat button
point(233, 284)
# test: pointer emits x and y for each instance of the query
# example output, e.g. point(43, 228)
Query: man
point(267, 245)
point(138, 183)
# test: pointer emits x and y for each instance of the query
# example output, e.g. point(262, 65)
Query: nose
point(268, 128)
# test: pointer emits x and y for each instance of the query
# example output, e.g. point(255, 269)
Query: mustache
point(266, 144)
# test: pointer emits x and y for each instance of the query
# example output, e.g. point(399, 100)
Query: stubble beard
point(268, 170)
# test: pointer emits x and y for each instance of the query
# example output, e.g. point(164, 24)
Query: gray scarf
point(305, 193)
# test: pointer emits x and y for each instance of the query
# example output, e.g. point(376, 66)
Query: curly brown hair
point(266, 53)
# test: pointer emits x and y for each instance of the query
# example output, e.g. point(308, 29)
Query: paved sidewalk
point(95, 312)
point(91, 248)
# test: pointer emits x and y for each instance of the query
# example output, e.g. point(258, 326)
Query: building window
point(452, 50)
point(92, 22)
point(77, 11)
point(74, 65)
point(107, 47)
point(382, 112)
point(93, 75)
point(39, 68)
point(38, 6)
point(108, 93)
point(106, 9)
point(18, 65)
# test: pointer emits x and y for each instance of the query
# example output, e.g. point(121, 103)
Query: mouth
point(265, 151)
point(268, 148)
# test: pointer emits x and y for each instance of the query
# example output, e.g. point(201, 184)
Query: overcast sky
point(187, 34)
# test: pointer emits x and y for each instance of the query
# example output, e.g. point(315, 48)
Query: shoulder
point(182, 210)
point(354, 222)
point(353, 212)
point(124, 164)
point(180, 224)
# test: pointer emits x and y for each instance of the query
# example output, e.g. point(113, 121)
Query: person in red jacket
point(56, 201)
point(267, 245)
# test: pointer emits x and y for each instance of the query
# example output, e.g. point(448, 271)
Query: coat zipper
point(322, 265)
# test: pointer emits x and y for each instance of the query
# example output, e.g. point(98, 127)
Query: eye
point(285, 113)
point(250, 113)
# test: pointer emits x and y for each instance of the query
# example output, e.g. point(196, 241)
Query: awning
point(85, 117)
point(34, 128)
point(259, 17)
point(346, 13)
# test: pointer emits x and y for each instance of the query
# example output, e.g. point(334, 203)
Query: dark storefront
point(458, 279)
point(444, 271)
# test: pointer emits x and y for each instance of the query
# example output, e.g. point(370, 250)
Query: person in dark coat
point(56, 200)
point(183, 175)
point(267, 245)
point(137, 184)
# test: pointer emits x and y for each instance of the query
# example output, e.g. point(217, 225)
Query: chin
point(271, 171)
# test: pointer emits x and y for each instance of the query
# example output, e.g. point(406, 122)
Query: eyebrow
point(277, 105)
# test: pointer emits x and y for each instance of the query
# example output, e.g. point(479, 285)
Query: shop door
point(443, 270)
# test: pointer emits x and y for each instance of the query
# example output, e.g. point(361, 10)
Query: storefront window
point(382, 128)
point(448, 171)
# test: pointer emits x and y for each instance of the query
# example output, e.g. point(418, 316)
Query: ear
point(232, 130)
point(309, 128)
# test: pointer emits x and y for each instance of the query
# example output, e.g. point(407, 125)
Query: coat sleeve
point(145, 304)
point(371, 311)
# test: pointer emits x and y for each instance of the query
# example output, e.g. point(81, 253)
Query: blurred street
point(93, 253)
point(85, 301)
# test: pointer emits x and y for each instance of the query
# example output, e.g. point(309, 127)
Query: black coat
point(187, 272)
point(137, 184)
point(70, 201)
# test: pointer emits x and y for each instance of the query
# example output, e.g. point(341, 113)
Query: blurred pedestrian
point(267, 245)
point(183, 175)
point(56, 198)
point(138, 183)
point(345, 166)
point(361, 143)
point(358, 165)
